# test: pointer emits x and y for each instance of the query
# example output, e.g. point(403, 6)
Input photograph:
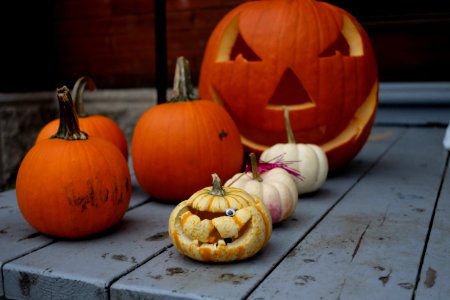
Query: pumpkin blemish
point(222, 134)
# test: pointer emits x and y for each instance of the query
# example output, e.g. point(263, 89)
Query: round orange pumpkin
point(95, 125)
point(310, 56)
point(176, 145)
point(73, 185)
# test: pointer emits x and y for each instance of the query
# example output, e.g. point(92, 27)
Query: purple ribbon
point(276, 162)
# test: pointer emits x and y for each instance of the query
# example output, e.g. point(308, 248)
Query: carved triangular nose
point(289, 91)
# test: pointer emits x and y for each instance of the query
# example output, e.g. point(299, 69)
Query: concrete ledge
point(414, 93)
point(22, 115)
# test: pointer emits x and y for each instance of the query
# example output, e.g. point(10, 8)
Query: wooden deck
point(380, 229)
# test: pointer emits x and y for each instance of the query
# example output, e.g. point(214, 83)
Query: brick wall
point(53, 42)
point(22, 115)
point(113, 41)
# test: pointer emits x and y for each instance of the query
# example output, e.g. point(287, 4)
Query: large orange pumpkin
point(308, 55)
point(178, 144)
point(73, 185)
point(95, 125)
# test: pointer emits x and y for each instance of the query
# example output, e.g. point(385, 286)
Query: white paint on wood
point(370, 244)
point(17, 237)
point(359, 237)
point(435, 276)
point(85, 268)
point(173, 275)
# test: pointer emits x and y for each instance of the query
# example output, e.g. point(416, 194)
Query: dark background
point(48, 43)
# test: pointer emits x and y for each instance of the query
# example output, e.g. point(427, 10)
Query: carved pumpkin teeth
point(196, 229)
point(221, 229)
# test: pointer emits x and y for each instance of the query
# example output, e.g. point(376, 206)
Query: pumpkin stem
point(182, 85)
point(254, 164)
point(68, 119)
point(78, 92)
point(287, 122)
point(217, 189)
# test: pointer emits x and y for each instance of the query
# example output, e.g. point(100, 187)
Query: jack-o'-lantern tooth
point(242, 216)
point(196, 229)
point(226, 227)
point(240, 58)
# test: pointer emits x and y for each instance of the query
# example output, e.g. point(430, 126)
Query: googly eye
point(230, 212)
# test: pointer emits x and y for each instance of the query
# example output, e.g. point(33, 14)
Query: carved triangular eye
point(340, 45)
point(348, 43)
point(241, 48)
point(233, 46)
point(289, 91)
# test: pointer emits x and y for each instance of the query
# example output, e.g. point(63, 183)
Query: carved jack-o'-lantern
point(307, 55)
point(220, 224)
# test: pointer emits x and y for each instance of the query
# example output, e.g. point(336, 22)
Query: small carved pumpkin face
point(220, 224)
point(307, 55)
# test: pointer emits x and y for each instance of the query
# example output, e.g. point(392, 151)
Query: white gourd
point(275, 188)
point(309, 159)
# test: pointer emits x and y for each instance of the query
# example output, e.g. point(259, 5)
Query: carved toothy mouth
point(214, 228)
point(361, 119)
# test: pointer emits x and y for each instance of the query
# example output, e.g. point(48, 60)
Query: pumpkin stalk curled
point(78, 91)
point(254, 164)
point(287, 122)
point(182, 84)
point(217, 189)
point(69, 128)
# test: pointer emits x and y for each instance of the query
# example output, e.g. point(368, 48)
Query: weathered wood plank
point(434, 278)
point(173, 275)
point(84, 269)
point(17, 237)
point(138, 196)
point(370, 245)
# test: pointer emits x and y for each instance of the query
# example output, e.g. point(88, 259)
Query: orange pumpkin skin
point(73, 185)
point(96, 126)
point(308, 55)
point(73, 189)
point(176, 146)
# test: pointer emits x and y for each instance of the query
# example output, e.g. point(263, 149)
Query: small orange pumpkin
point(72, 185)
point(308, 55)
point(95, 125)
point(220, 224)
point(176, 145)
